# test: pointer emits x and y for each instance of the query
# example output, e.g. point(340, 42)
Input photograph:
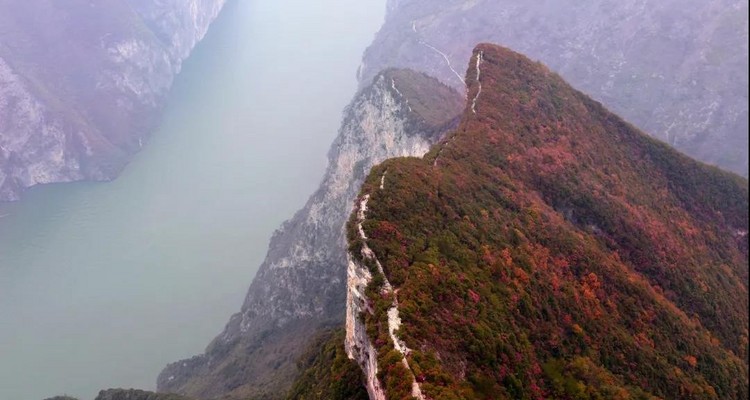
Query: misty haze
point(373, 199)
point(104, 284)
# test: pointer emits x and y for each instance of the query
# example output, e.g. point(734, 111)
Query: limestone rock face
point(677, 69)
point(301, 286)
point(82, 83)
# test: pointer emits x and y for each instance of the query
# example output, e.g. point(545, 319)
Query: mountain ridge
point(676, 69)
point(300, 288)
point(523, 268)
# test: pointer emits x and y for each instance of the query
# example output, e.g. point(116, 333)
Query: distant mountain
point(678, 69)
point(82, 83)
point(548, 249)
point(128, 394)
point(132, 394)
point(300, 289)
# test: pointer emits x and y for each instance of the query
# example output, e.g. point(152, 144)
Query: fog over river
point(102, 284)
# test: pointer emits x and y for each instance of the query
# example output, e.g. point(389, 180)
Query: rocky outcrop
point(81, 110)
point(675, 68)
point(358, 345)
point(301, 286)
point(363, 267)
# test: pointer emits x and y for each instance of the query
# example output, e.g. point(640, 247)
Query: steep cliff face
point(82, 83)
point(548, 249)
point(179, 24)
point(301, 286)
point(370, 294)
point(675, 68)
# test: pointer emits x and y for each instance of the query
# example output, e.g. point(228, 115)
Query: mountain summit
point(547, 249)
point(676, 69)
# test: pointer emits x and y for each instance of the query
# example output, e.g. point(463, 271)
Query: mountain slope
point(300, 287)
point(327, 373)
point(82, 83)
point(548, 249)
point(678, 69)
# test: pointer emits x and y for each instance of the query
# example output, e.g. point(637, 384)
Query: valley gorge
point(438, 40)
point(364, 294)
point(103, 284)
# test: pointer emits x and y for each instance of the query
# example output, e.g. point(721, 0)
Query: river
point(102, 284)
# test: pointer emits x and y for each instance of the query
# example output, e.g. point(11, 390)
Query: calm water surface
point(102, 284)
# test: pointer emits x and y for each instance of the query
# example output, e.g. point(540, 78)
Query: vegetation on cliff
point(327, 372)
point(550, 249)
point(300, 288)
